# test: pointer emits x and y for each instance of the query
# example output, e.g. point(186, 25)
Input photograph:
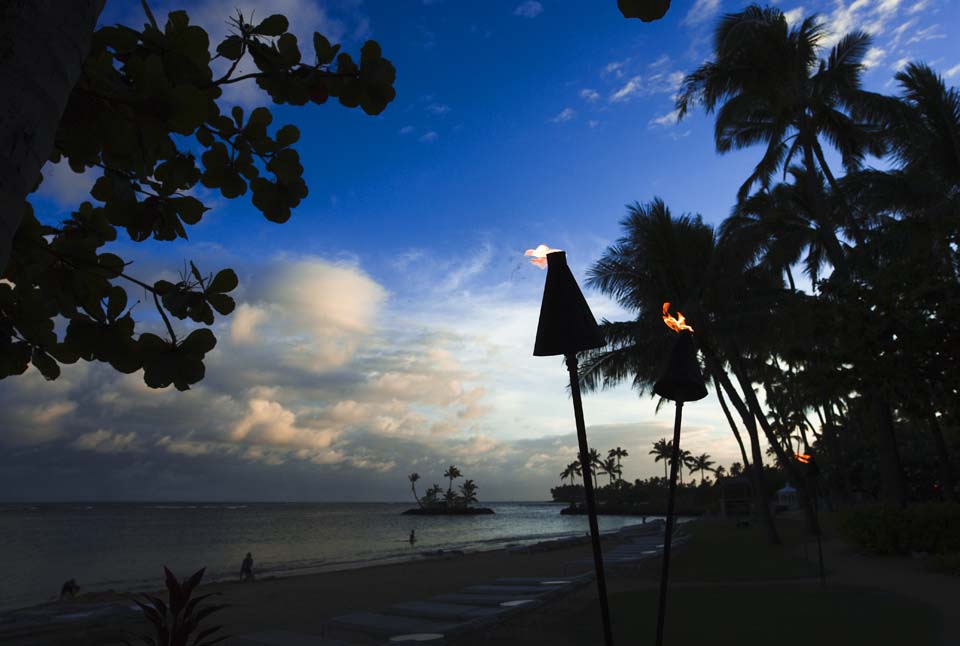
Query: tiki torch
point(811, 471)
point(566, 327)
point(681, 381)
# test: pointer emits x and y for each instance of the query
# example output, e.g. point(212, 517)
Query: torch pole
point(668, 530)
point(588, 491)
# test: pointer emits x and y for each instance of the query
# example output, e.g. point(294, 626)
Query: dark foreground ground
point(727, 587)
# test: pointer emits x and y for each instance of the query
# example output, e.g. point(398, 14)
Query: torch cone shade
point(681, 380)
point(566, 322)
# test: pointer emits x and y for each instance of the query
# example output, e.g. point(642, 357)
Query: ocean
point(124, 546)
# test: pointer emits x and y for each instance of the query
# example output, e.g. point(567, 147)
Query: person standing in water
point(246, 569)
point(413, 536)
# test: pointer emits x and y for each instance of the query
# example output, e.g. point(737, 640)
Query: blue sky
point(388, 326)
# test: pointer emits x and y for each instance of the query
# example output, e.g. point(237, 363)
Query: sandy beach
point(297, 603)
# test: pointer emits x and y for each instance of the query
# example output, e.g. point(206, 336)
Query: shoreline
point(109, 595)
point(298, 602)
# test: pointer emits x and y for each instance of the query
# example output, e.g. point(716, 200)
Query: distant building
point(787, 498)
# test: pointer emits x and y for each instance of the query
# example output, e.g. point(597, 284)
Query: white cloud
point(244, 322)
point(794, 15)
point(701, 12)
point(65, 187)
point(563, 116)
point(438, 109)
point(313, 313)
point(870, 16)
point(528, 9)
point(614, 68)
point(104, 441)
point(900, 63)
point(429, 137)
point(406, 130)
point(953, 71)
point(589, 95)
point(873, 57)
point(661, 82)
point(668, 119)
point(929, 33)
point(918, 6)
point(627, 90)
point(593, 123)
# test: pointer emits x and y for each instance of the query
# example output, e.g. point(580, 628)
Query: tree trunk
point(943, 455)
point(43, 44)
point(731, 422)
point(803, 490)
point(760, 493)
point(891, 470)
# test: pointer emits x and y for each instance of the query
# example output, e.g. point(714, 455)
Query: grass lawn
point(785, 615)
point(720, 551)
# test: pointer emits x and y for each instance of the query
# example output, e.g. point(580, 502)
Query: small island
point(437, 502)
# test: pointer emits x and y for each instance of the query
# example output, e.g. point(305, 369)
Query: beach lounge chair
point(489, 600)
point(395, 628)
point(281, 638)
point(440, 611)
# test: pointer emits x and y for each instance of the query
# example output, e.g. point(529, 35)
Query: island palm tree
point(686, 460)
point(594, 462)
point(413, 477)
point(662, 450)
point(618, 453)
point(570, 471)
point(610, 467)
point(703, 464)
point(452, 474)
point(468, 493)
point(720, 472)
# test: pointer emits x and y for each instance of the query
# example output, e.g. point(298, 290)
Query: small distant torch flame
point(538, 256)
point(802, 458)
point(678, 324)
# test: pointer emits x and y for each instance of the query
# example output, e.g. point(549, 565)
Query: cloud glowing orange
point(678, 324)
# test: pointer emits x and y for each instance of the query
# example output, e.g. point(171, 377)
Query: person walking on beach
point(246, 569)
point(413, 536)
point(69, 590)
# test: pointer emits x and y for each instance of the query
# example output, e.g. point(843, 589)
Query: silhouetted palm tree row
point(663, 450)
point(436, 496)
point(610, 466)
point(867, 349)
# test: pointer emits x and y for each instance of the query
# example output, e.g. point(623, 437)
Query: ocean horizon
point(123, 546)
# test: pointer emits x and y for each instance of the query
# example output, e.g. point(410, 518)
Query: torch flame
point(678, 324)
point(538, 256)
point(802, 458)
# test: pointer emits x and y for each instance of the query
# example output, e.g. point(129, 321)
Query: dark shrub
point(933, 528)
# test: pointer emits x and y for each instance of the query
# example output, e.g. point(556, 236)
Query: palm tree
point(736, 470)
point(662, 450)
point(432, 495)
point(686, 460)
point(716, 285)
point(413, 477)
point(702, 463)
point(610, 467)
point(573, 469)
point(720, 472)
point(452, 473)
point(468, 492)
point(595, 462)
point(618, 453)
point(767, 85)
